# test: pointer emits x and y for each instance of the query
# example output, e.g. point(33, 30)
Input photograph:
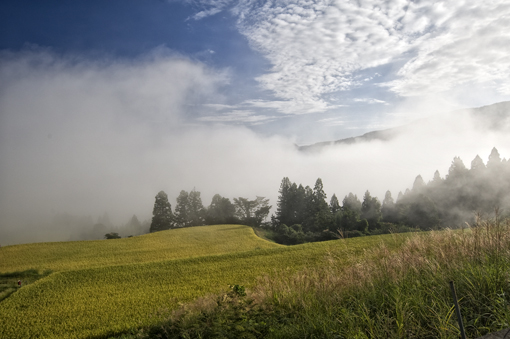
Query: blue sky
point(339, 68)
point(105, 103)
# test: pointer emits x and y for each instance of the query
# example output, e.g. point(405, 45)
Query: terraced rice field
point(102, 288)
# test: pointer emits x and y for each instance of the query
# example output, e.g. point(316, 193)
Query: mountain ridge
point(489, 116)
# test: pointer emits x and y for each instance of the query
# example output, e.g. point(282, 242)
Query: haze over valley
point(215, 96)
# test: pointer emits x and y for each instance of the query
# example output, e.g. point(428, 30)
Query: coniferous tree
point(302, 199)
point(457, 170)
point(195, 209)
point(436, 180)
point(351, 210)
point(181, 209)
point(400, 195)
point(477, 165)
point(334, 205)
point(494, 159)
point(388, 210)
point(418, 185)
point(308, 210)
point(162, 213)
point(286, 207)
point(352, 203)
point(371, 210)
point(134, 227)
point(320, 208)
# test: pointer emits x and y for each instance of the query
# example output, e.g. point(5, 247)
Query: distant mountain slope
point(494, 117)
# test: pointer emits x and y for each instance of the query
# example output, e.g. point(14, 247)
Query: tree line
point(189, 211)
point(303, 214)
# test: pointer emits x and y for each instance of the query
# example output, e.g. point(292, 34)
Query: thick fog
point(83, 137)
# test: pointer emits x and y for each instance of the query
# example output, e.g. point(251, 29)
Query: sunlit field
point(177, 244)
point(137, 281)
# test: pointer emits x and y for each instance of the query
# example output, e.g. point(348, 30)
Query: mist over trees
point(303, 215)
point(454, 200)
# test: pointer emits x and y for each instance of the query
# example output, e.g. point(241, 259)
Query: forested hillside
point(304, 215)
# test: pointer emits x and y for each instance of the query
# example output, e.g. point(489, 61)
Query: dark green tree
point(351, 210)
point(221, 211)
point(181, 209)
point(322, 217)
point(112, 235)
point(334, 204)
point(162, 218)
point(195, 209)
point(286, 206)
point(388, 210)
point(351, 202)
point(371, 211)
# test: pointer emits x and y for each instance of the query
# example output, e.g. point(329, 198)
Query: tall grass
point(386, 293)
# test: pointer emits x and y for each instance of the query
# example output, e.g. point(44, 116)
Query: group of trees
point(303, 214)
point(457, 198)
point(189, 211)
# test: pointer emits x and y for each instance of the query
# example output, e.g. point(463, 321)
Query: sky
point(105, 103)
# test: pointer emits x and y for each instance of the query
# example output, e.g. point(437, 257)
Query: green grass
point(387, 293)
point(159, 246)
point(137, 282)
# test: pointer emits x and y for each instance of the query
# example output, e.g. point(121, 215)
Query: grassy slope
point(402, 293)
point(108, 299)
point(160, 246)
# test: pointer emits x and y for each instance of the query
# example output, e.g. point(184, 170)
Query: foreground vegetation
point(110, 298)
point(384, 294)
point(388, 286)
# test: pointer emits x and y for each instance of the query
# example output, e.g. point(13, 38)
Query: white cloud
point(289, 106)
point(332, 122)
point(213, 7)
point(370, 101)
point(85, 137)
point(238, 116)
point(318, 47)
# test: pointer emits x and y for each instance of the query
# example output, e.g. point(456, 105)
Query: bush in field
point(112, 235)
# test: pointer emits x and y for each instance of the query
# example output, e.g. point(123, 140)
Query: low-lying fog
point(85, 138)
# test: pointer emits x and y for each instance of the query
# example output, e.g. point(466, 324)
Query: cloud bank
point(85, 137)
point(320, 48)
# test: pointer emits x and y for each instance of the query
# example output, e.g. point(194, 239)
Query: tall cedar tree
point(284, 206)
point(181, 209)
point(320, 208)
point(371, 210)
point(162, 214)
point(196, 211)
